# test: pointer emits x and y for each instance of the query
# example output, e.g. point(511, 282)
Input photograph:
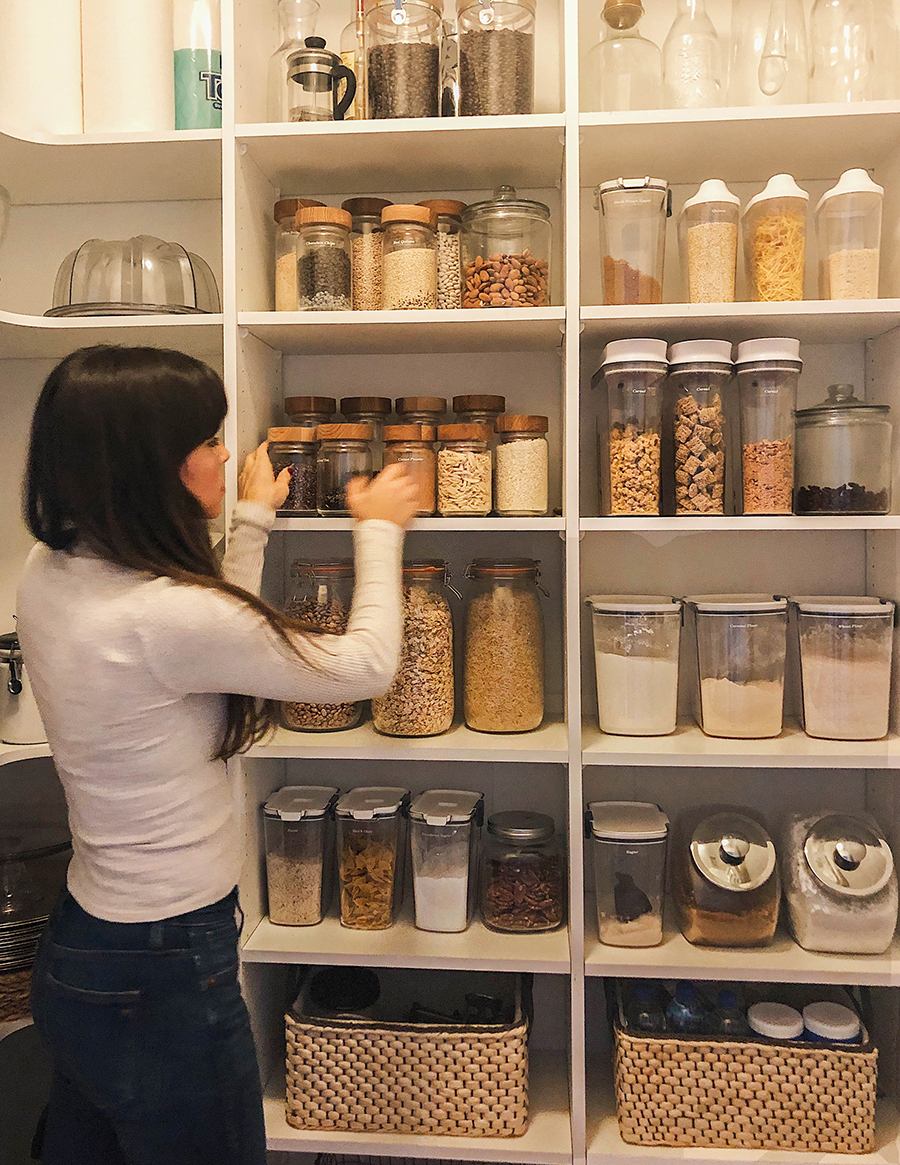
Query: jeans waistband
point(72, 926)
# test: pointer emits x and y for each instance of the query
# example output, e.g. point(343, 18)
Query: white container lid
point(370, 801)
point(638, 351)
point(842, 605)
point(832, 1021)
point(700, 352)
point(627, 821)
point(712, 190)
point(734, 604)
point(777, 349)
point(776, 1021)
point(635, 604)
point(856, 181)
point(781, 186)
point(445, 806)
point(296, 802)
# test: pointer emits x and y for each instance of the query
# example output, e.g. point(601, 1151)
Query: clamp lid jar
point(633, 214)
point(496, 56)
point(506, 252)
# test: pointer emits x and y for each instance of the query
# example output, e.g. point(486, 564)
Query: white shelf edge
point(446, 525)
point(738, 113)
point(247, 131)
point(10, 753)
point(736, 523)
point(114, 323)
point(465, 317)
point(150, 137)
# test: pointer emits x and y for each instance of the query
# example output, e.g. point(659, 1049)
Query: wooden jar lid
point(310, 404)
point(463, 433)
point(372, 207)
point(515, 423)
point(451, 206)
point(410, 433)
point(468, 404)
point(289, 207)
point(323, 216)
point(366, 404)
point(344, 432)
point(418, 214)
point(298, 433)
point(421, 404)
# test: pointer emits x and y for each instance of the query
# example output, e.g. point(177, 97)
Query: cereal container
point(403, 57)
point(506, 252)
point(629, 851)
point(365, 250)
point(767, 373)
point(699, 371)
point(374, 412)
point(371, 848)
point(421, 410)
point(775, 241)
point(496, 56)
point(294, 449)
point(409, 259)
point(633, 214)
point(444, 830)
point(413, 447)
point(310, 411)
point(449, 262)
point(345, 452)
point(464, 471)
point(298, 827)
point(521, 483)
point(634, 371)
point(708, 234)
point(848, 227)
point(523, 874)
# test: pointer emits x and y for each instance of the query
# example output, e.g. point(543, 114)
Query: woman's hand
point(258, 482)
point(392, 496)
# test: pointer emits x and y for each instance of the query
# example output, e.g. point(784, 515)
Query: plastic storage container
point(365, 250)
point(298, 828)
point(840, 884)
point(848, 230)
point(503, 669)
point(371, 847)
point(636, 646)
point(345, 452)
point(421, 410)
point(506, 252)
point(708, 230)
point(775, 241)
point(843, 462)
point(741, 646)
point(523, 874)
point(699, 372)
point(286, 236)
point(845, 666)
point(449, 254)
point(420, 700)
point(464, 474)
point(521, 481)
point(413, 447)
point(310, 411)
point(767, 374)
point(444, 831)
point(725, 880)
point(633, 213)
point(629, 852)
point(323, 259)
point(409, 259)
point(403, 57)
point(374, 412)
point(634, 371)
point(295, 449)
point(496, 56)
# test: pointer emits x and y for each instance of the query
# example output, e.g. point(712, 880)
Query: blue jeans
point(153, 1056)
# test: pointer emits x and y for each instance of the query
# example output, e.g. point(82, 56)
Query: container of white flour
point(636, 642)
point(444, 830)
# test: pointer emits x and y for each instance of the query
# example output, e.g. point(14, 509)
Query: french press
point(314, 82)
point(20, 720)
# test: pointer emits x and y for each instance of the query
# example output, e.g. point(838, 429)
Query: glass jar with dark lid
point(374, 412)
point(286, 235)
point(479, 409)
point(365, 250)
point(506, 252)
point(310, 411)
point(345, 452)
point(449, 269)
point(523, 873)
point(295, 449)
point(421, 410)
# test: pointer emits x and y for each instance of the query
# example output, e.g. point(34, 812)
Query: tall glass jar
point(699, 370)
point(506, 252)
point(464, 472)
point(775, 241)
point(295, 449)
point(521, 484)
point(372, 411)
point(345, 452)
point(421, 410)
point(287, 235)
point(409, 259)
point(523, 874)
point(449, 269)
point(413, 447)
point(419, 702)
point(768, 372)
point(323, 259)
point(310, 411)
point(403, 40)
point(365, 250)
point(633, 215)
point(629, 456)
point(843, 39)
point(496, 56)
point(322, 595)
point(503, 670)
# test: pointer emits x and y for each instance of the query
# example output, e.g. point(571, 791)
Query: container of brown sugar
point(633, 214)
point(768, 372)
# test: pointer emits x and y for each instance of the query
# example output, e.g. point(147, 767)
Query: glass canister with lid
point(506, 252)
point(403, 40)
point(775, 241)
point(286, 237)
point(768, 372)
point(848, 227)
point(365, 250)
point(298, 822)
point(629, 852)
point(323, 259)
point(480, 409)
point(413, 447)
point(295, 449)
point(633, 214)
point(310, 411)
point(708, 230)
point(464, 472)
point(374, 412)
point(322, 596)
point(843, 456)
point(699, 371)
point(421, 410)
point(449, 268)
point(521, 483)
point(444, 830)
point(496, 56)
point(409, 259)
point(345, 452)
point(371, 848)
point(523, 874)
point(503, 668)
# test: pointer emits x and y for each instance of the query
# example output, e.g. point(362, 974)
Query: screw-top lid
point(479, 403)
point(777, 350)
point(406, 213)
point(368, 207)
point(775, 1021)
point(299, 802)
point(326, 405)
point(506, 200)
point(622, 14)
point(354, 405)
point(856, 181)
point(420, 404)
point(516, 423)
point(463, 433)
point(733, 852)
point(832, 1021)
point(370, 801)
point(637, 351)
point(841, 398)
point(410, 433)
point(627, 821)
point(521, 826)
point(843, 605)
point(700, 352)
point(847, 856)
point(314, 216)
point(781, 186)
point(712, 190)
point(288, 433)
point(635, 604)
point(288, 207)
point(446, 206)
point(344, 432)
point(446, 806)
point(734, 604)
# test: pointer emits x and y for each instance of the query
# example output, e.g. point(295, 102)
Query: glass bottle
point(728, 1017)
point(352, 50)
point(692, 60)
point(627, 68)
point(644, 1012)
point(298, 21)
point(842, 43)
point(887, 51)
point(345, 452)
point(770, 53)
point(685, 1011)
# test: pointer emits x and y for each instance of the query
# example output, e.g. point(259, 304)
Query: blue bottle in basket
point(685, 1013)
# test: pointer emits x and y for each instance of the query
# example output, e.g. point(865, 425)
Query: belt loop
point(157, 935)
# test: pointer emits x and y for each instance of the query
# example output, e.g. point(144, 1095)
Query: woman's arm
point(250, 528)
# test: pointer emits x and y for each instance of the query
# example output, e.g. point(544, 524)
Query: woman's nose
point(226, 454)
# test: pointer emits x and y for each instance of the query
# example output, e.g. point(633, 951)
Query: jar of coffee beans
point(496, 56)
point(286, 236)
point(403, 57)
point(345, 452)
point(409, 258)
point(323, 259)
point(294, 449)
point(506, 252)
point(449, 270)
point(365, 251)
point(523, 874)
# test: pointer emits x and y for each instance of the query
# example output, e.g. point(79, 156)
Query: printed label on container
point(198, 89)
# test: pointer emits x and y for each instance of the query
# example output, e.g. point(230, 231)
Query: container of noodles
point(775, 241)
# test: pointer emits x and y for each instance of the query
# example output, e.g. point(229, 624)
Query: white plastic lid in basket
point(627, 821)
point(700, 352)
point(832, 1021)
point(856, 181)
point(775, 1021)
point(712, 190)
point(842, 605)
point(635, 604)
point(734, 604)
point(781, 186)
point(778, 350)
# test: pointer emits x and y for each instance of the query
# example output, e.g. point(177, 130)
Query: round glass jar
point(403, 39)
point(365, 250)
point(295, 449)
point(421, 410)
point(310, 411)
point(506, 252)
point(322, 594)
point(409, 259)
point(496, 57)
point(323, 259)
point(449, 262)
point(286, 237)
point(521, 477)
point(420, 701)
point(345, 452)
point(413, 447)
point(699, 371)
point(523, 874)
point(464, 472)
point(843, 456)
point(767, 373)
point(372, 411)
point(503, 670)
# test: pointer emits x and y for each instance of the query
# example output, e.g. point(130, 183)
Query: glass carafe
point(626, 67)
point(770, 56)
point(692, 60)
point(842, 50)
point(298, 21)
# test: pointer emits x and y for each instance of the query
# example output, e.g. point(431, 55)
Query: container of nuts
point(322, 595)
point(523, 879)
point(371, 846)
point(506, 252)
point(699, 371)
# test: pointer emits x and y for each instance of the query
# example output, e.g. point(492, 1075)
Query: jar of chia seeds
point(403, 52)
point(496, 56)
point(294, 449)
point(323, 259)
point(365, 250)
point(449, 269)
point(345, 452)
point(409, 259)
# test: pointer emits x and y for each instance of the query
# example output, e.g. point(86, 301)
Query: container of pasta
point(775, 241)
point(371, 844)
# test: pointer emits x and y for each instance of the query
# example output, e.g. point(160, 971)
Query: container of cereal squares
point(634, 371)
point(768, 372)
point(298, 823)
point(371, 845)
point(699, 371)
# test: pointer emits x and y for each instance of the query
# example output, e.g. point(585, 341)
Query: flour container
point(444, 831)
point(848, 227)
point(298, 822)
point(629, 852)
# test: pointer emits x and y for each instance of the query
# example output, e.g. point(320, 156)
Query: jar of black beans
point(323, 259)
point(294, 449)
point(403, 57)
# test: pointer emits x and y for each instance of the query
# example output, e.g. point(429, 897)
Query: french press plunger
point(314, 83)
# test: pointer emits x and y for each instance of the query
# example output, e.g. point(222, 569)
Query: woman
point(149, 661)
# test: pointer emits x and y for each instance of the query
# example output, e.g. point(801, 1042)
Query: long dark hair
point(110, 433)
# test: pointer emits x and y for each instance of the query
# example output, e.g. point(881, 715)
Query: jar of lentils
point(345, 452)
point(523, 874)
point(294, 449)
point(310, 411)
point(506, 252)
point(323, 259)
point(365, 251)
point(409, 259)
point(403, 40)
point(449, 269)
point(521, 475)
point(321, 596)
point(286, 237)
point(413, 447)
point(464, 472)
point(421, 410)
point(372, 411)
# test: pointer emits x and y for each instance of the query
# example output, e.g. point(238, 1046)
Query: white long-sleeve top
point(129, 674)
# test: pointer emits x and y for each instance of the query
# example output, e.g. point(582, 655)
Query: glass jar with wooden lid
point(372, 411)
point(449, 261)
point(294, 449)
point(310, 411)
point(521, 474)
point(464, 471)
point(413, 447)
point(345, 452)
point(323, 258)
point(286, 237)
point(421, 410)
point(365, 250)
point(409, 258)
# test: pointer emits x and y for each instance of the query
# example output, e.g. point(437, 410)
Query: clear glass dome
point(139, 276)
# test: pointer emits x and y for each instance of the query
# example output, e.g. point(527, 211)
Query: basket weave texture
point(696, 1092)
point(455, 1082)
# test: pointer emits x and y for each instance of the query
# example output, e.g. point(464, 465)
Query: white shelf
point(547, 1141)
point(25, 337)
point(741, 523)
point(688, 747)
point(447, 525)
point(7, 1027)
point(518, 329)
point(10, 753)
point(475, 949)
point(547, 744)
point(415, 154)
